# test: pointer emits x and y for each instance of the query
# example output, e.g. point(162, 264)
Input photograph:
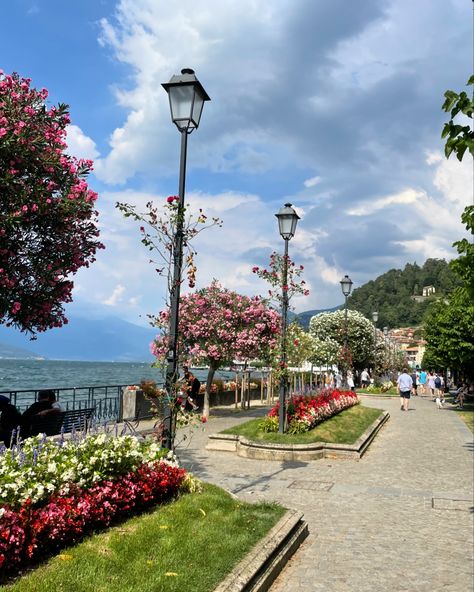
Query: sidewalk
point(400, 519)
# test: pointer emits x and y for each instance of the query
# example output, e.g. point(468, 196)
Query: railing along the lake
point(106, 400)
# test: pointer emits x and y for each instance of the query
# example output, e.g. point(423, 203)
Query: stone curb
point(287, 452)
point(259, 569)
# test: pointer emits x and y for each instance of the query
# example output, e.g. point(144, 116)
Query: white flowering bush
point(330, 327)
point(39, 466)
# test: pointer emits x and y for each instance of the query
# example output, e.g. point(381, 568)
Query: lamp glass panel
point(181, 101)
point(285, 225)
point(197, 108)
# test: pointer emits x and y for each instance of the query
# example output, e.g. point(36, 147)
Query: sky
point(330, 105)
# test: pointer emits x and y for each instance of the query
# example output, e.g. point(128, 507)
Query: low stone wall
point(302, 452)
point(134, 404)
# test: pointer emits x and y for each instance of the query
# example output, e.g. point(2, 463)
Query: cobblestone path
point(400, 519)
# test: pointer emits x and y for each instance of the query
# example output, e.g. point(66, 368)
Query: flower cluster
point(274, 276)
point(40, 467)
point(304, 412)
point(34, 531)
point(48, 227)
point(217, 326)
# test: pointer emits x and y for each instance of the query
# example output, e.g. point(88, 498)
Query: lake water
point(40, 374)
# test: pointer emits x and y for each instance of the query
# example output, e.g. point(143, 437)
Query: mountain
point(9, 352)
point(397, 295)
point(110, 339)
point(303, 318)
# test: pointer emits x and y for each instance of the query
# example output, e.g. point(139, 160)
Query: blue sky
point(333, 106)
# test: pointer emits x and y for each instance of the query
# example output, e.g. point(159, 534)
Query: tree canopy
point(217, 326)
point(48, 220)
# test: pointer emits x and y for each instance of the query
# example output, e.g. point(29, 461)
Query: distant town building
point(413, 347)
point(427, 291)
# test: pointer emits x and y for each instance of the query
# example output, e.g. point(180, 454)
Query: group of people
point(12, 421)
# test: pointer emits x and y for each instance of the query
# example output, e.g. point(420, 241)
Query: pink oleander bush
point(31, 532)
point(304, 412)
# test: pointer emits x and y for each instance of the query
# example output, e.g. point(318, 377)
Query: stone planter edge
point(269, 451)
point(260, 567)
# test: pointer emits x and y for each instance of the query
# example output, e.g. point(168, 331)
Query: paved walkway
point(400, 519)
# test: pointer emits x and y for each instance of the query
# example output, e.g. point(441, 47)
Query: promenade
point(400, 519)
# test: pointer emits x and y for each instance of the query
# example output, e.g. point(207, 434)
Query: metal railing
point(106, 400)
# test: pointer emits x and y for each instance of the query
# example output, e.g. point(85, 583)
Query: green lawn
point(190, 544)
point(343, 428)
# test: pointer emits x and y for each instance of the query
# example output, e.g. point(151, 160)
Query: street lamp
point(186, 97)
point(387, 348)
point(287, 220)
point(375, 318)
point(346, 286)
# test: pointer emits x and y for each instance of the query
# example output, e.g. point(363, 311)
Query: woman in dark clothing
point(10, 420)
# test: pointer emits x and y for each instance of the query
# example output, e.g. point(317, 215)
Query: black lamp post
point(187, 97)
point(287, 220)
point(375, 318)
point(346, 286)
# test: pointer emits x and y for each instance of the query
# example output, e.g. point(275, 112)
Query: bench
point(52, 424)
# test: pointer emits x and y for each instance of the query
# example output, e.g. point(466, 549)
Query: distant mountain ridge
point(10, 352)
point(303, 318)
point(110, 339)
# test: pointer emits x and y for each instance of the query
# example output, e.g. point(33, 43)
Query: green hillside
point(391, 293)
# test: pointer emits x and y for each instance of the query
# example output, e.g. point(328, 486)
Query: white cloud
point(80, 145)
point(116, 296)
point(408, 196)
point(312, 182)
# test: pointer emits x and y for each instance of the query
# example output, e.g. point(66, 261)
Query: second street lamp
point(346, 286)
point(186, 97)
point(375, 318)
point(287, 220)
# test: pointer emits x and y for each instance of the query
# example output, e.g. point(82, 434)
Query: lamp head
point(346, 285)
point(287, 220)
point(186, 95)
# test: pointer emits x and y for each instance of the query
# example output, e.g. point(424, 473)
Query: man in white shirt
point(404, 386)
point(364, 378)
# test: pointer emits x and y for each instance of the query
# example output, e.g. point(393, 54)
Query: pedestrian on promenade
point(364, 378)
point(431, 383)
point(404, 386)
point(422, 381)
point(350, 380)
point(413, 378)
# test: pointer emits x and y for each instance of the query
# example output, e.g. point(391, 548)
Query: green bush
point(268, 424)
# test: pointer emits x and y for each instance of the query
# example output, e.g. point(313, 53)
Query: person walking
point(364, 378)
point(422, 381)
point(404, 387)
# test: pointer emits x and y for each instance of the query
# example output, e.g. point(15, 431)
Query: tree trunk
point(207, 394)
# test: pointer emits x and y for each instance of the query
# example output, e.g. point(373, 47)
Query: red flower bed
point(304, 412)
point(32, 532)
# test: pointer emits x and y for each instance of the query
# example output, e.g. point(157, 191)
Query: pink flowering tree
point(48, 220)
point(218, 326)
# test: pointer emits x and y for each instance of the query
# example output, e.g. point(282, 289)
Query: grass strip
point(189, 544)
point(467, 415)
point(391, 392)
point(343, 428)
